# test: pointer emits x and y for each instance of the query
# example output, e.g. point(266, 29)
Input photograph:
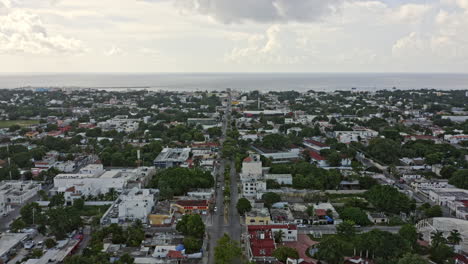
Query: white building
point(91, 180)
point(134, 204)
point(456, 139)
point(445, 225)
point(357, 134)
point(423, 183)
point(443, 196)
point(16, 193)
point(120, 123)
point(253, 182)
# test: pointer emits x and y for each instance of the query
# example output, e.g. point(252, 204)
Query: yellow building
point(258, 217)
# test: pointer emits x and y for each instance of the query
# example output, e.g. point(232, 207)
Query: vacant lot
point(22, 123)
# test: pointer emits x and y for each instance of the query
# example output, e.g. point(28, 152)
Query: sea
point(240, 81)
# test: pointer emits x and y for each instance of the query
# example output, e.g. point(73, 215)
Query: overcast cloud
point(231, 36)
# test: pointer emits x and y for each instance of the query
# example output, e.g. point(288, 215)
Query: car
point(222, 188)
point(215, 209)
point(29, 244)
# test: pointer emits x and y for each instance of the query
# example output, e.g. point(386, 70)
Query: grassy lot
point(22, 123)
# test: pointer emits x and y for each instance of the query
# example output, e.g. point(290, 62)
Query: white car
point(215, 209)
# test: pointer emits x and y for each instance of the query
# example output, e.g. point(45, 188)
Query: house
point(9, 242)
point(378, 218)
point(261, 242)
point(317, 159)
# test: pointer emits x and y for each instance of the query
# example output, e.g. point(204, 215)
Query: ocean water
point(242, 81)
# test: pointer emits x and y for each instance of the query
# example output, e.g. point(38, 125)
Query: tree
point(57, 200)
point(79, 204)
point(191, 225)
point(283, 253)
point(192, 244)
point(278, 236)
point(454, 237)
point(409, 233)
point(17, 225)
point(355, 215)
point(331, 249)
point(270, 198)
point(437, 238)
point(31, 213)
point(227, 251)
point(409, 258)
point(388, 199)
point(334, 159)
point(460, 179)
point(50, 243)
point(441, 253)
point(346, 229)
point(243, 206)
point(434, 211)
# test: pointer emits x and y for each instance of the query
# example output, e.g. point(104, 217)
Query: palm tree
point(279, 236)
point(454, 238)
point(437, 238)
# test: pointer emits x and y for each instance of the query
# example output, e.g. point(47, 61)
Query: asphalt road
point(218, 226)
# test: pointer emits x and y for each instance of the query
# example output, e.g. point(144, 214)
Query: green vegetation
point(193, 228)
point(388, 199)
point(19, 123)
point(177, 181)
point(227, 251)
point(243, 206)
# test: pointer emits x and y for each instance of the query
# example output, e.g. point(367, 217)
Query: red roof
point(71, 189)
point(175, 254)
point(320, 212)
point(193, 203)
point(316, 143)
point(262, 242)
point(315, 155)
point(248, 159)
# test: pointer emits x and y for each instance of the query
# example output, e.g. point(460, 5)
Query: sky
point(233, 36)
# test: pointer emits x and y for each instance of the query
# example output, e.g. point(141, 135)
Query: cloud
point(263, 11)
point(113, 51)
point(23, 32)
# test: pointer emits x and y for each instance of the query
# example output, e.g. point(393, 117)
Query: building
point(94, 180)
point(423, 183)
point(356, 135)
point(120, 123)
point(251, 166)
point(254, 187)
point(445, 225)
point(190, 206)
point(378, 218)
point(202, 121)
point(315, 145)
point(442, 197)
point(9, 242)
point(172, 157)
point(16, 193)
point(261, 242)
point(258, 216)
point(134, 204)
